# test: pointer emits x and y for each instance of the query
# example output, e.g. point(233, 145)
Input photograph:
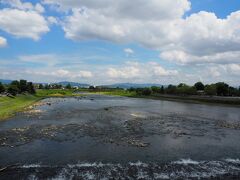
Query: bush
point(222, 89)
point(211, 90)
point(13, 90)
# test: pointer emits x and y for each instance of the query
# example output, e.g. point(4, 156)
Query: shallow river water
point(104, 137)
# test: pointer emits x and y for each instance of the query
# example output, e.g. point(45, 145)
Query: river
point(104, 137)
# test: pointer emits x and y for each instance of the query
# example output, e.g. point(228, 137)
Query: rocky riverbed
point(59, 136)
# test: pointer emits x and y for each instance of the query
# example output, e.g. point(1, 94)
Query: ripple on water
point(184, 168)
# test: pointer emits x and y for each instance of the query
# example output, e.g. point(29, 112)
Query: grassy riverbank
point(9, 106)
point(197, 99)
point(119, 93)
point(55, 93)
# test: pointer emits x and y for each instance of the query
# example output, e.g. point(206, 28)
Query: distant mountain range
point(119, 85)
point(64, 83)
point(5, 81)
point(129, 85)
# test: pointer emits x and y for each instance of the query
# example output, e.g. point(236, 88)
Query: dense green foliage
point(13, 90)
point(218, 89)
point(2, 88)
point(222, 89)
point(40, 86)
point(199, 86)
point(30, 88)
point(18, 87)
point(68, 86)
point(23, 86)
point(210, 90)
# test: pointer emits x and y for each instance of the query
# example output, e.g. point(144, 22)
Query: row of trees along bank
point(17, 87)
point(54, 86)
point(217, 89)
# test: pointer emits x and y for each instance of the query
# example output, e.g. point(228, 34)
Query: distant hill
point(129, 85)
point(64, 83)
point(5, 81)
point(119, 85)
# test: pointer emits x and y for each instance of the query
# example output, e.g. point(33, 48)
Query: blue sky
point(102, 42)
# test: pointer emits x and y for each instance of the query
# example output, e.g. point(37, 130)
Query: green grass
point(55, 93)
point(10, 106)
point(119, 93)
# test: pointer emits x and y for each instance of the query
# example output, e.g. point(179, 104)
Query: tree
point(47, 86)
point(191, 90)
point(56, 86)
point(155, 89)
point(199, 86)
point(30, 88)
point(210, 90)
point(13, 90)
point(2, 88)
point(91, 87)
point(16, 86)
point(40, 86)
point(184, 89)
point(162, 91)
point(171, 89)
point(222, 89)
point(233, 91)
point(23, 86)
point(182, 85)
point(139, 91)
point(68, 86)
point(146, 92)
point(131, 89)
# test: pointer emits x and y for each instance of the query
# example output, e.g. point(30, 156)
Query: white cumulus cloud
point(128, 51)
point(135, 70)
point(199, 38)
point(204, 38)
point(3, 42)
point(144, 22)
point(23, 24)
point(18, 4)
